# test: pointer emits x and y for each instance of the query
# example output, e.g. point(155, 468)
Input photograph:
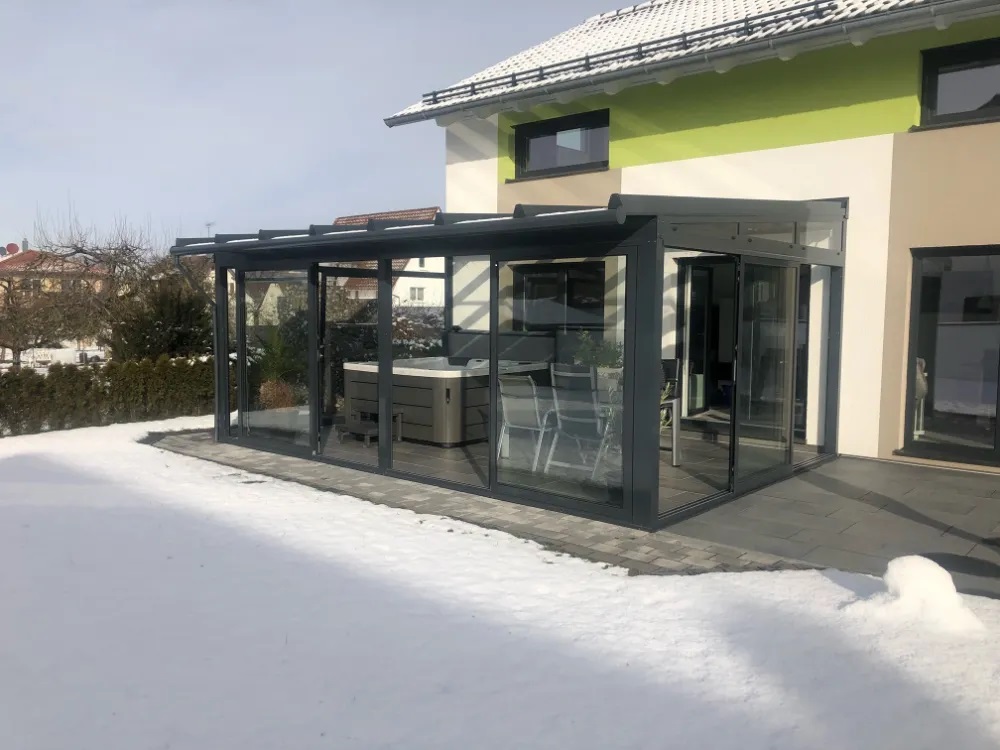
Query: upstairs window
point(577, 143)
point(962, 83)
point(559, 296)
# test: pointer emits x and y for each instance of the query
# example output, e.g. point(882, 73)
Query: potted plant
point(606, 356)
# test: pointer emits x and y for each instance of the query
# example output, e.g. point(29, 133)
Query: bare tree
point(124, 260)
point(43, 301)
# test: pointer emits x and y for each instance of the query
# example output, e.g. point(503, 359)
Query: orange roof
point(361, 284)
point(37, 261)
point(406, 214)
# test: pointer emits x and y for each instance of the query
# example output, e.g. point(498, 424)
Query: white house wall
point(471, 182)
point(858, 169)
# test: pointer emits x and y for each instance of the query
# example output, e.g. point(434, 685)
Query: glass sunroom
point(632, 362)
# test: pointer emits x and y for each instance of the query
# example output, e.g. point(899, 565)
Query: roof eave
point(939, 15)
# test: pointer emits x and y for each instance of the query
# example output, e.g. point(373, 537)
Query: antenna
point(208, 228)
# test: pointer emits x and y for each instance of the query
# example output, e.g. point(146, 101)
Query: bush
point(168, 319)
point(87, 395)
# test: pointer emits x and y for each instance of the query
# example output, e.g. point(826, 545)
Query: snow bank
point(149, 599)
point(920, 589)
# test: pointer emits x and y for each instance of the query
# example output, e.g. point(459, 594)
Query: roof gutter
point(940, 15)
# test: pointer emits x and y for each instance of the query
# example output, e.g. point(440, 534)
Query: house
point(41, 303)
point(415, 291)
point(893, 106)
point(688, 249)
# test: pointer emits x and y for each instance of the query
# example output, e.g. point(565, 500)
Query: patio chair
point(522, 410)
point(578, 415)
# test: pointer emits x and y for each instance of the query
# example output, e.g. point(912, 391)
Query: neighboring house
point(892, 105)
point(408, 291)
point(33, 284)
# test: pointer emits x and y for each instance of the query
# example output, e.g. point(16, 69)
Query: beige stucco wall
point(471, 166)
point(859, 169)
point(588, 189)
point(945, 185)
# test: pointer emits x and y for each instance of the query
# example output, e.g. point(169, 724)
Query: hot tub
point(440, 400)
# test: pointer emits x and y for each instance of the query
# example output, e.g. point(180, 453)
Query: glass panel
point(277, 356)
point(231, 342)
point(777, 231)
point(811, 362)
point(349, 367)
point(968, 88)
point(955, 367)
point(765, 372)
point(440, 374)
point(698, 352)
point(561, 363)
point(823, 234)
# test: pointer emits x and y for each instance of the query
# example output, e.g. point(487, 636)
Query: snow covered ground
point(149, 600)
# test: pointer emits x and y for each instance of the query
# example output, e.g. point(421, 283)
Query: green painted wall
point(842, 92)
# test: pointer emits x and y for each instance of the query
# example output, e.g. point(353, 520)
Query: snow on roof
point(653, 34)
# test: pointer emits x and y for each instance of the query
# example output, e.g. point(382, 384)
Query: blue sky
point(248, 113)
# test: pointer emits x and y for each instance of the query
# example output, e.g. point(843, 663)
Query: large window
point(955, 356)
point(558, 296)
point(564, 145)
point(561, 388)
point(962, 83)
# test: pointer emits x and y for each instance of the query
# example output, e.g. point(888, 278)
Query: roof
point(40, 262)
point(660, 40)
point(406, 214)
point(448, 231)
point(363, 284)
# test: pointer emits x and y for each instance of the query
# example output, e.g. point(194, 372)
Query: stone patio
point(851, 514)
point(640, 552)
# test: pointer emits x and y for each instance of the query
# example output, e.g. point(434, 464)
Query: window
point(576, 143)
point(416, 294)
point(962, 83)
point(32, 286)
point(559, 296)
point(70, 285)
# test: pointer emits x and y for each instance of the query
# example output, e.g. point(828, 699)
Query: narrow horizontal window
point(962, 83)
point(564, 145)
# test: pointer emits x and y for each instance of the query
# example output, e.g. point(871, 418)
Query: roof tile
point(646, 24)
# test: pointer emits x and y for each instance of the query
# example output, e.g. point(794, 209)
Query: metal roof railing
point(814, 9)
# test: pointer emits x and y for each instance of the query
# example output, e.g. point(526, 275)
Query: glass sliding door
point(765, 383)
point(698, 352)
point(276, 357)
point(954, 363)
point(348, 362)
point(561, 376)
point(440, 368)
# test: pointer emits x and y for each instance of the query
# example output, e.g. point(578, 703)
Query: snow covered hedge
point(88, 395)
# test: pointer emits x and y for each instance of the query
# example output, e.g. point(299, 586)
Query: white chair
point(522, 410)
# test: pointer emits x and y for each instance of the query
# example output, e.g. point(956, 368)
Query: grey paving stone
point(800, 520)
point(851, 561)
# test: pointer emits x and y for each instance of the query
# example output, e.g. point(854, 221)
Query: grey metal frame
point(638, 227)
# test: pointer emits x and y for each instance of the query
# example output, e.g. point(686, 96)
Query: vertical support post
point(833, 360)
point(220, 330)
point(739, 371)
point(449, 295)
point(644, 367)
point(384, 280)
point(312, 345)
point(242, 398)
point(494, 354)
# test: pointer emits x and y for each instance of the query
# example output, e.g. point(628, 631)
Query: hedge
point(90, 395)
